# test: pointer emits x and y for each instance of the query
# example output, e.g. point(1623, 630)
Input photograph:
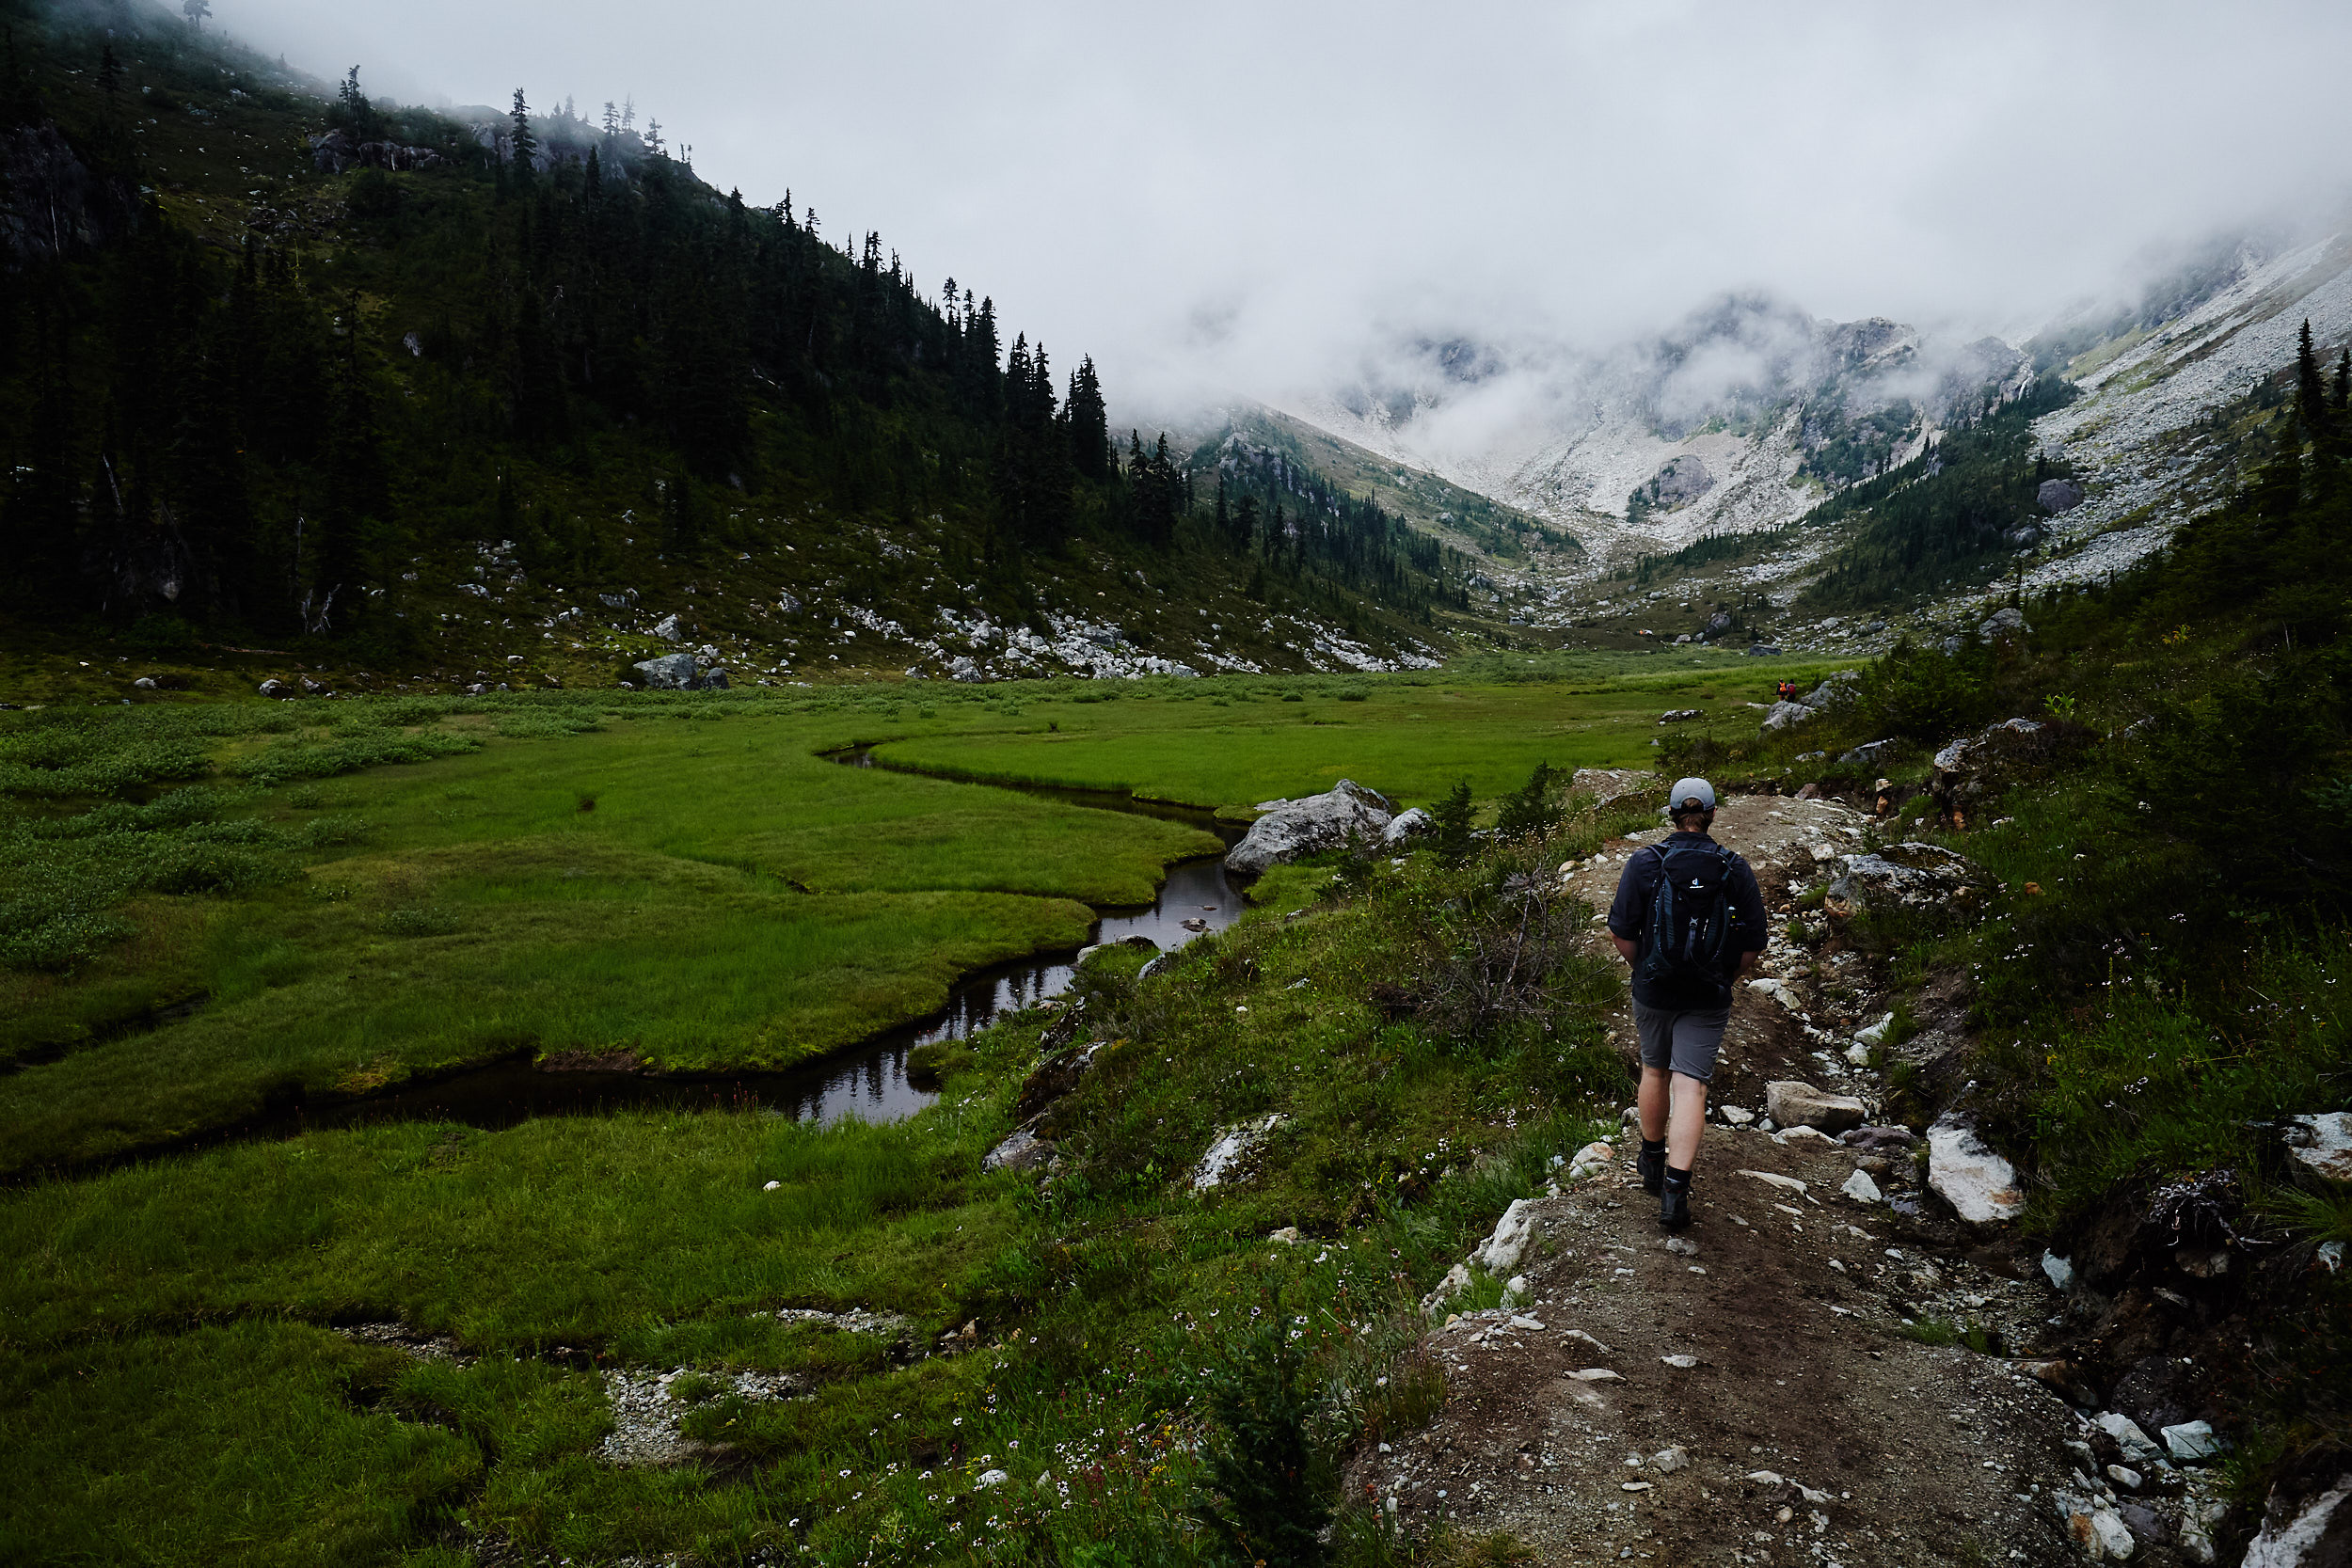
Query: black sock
point(1678, 1180)
point(1653, 1146)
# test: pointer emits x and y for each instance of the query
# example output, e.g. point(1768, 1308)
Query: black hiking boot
point(1651, 1163)
point(1673, 1200)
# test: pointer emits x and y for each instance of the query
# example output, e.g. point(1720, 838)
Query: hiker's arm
point(1755, 931)
point(1625, 911)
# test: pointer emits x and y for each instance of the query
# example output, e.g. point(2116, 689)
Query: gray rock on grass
point(2323, 1142)
point(1904, 876)
point(1309, 825)
point(1605, 784)
point(1022, 1150)
point(1230, 1153)
point(1405, 826)
point(669, 673)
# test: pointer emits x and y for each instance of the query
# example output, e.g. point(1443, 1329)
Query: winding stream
point(867, 1080)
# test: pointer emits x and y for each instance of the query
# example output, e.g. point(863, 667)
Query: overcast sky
point(1254, 196)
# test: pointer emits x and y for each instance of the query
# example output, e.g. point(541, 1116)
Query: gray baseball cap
point(1692, 790)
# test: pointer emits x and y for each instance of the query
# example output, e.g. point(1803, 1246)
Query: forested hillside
point(281, 367)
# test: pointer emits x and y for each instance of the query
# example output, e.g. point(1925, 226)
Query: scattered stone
point(1580, 1335)
point(1871, 1139)
point(2136, 1444)
point(1308, 826)
point(1737, 1117)
point(1684, 1362)
point(2007, 621)
point(1633, 1485)
point(1232, 1149)
point(1529, 1324)
point(772, 1186)
point(1502, 1250)
point(1405, 824)
point(1595, 1374)
point(1806, 1136)
point(2060, 1270)
point(1862, 1189)
point(1858, 1054)
point(2114, 1537)
point(1682, 1247)
point(1868, 754)
point(2323, 1142)
point(1022, 1150)
point(1681, 715)
point(1904, 876)
point(1980, 1186)
point(1875, 1034)
point(2125, 1477)
point(1773, 1179)
point(667, 628)
point(1767, 1478)
point(275, 687)
point(145, 683)
point(1786, 716)
point(1288, 1236)
point(2059, 494)
point(1605, 784)
point(1794, 1103)
point(2192, 1442)
point(987, 1478)
point(669, 673)
point(1666, 1462)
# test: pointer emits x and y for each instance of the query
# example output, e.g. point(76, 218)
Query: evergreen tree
point(2311, 393)
point(1264, 1498)
point(1090, 424)
point(526, 146)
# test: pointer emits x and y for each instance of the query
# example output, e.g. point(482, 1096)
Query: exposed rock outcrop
point(1904, 876)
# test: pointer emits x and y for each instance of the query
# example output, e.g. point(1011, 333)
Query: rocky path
point(1766, 1387)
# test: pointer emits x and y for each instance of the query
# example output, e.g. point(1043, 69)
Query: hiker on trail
point(1690, 919)
point(1786, 692)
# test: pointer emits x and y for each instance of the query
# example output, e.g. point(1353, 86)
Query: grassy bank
point(185, 1307)
point(213, 910)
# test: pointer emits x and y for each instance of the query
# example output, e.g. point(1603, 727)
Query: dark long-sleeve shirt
point(1629, 917)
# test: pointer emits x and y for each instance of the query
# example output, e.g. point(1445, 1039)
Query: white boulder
point(2297, 1542)
point(1305, 827)
point(2323, 1142)
point(1500, 1251)
point(1232, 1149)
point(1980, 1186)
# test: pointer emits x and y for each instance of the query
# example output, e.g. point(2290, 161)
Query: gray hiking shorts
point(1681, 1041)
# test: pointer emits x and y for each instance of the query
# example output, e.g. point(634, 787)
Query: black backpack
point(1691, 916)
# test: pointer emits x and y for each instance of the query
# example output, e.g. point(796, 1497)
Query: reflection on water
point(868, 1081)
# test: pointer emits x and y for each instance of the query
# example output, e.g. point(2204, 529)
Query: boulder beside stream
point(1304, 827)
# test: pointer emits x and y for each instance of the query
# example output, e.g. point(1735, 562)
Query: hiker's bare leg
point(1652, 1103)
point(1688, 1123)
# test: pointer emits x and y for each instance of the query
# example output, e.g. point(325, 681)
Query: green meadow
point(213, 908)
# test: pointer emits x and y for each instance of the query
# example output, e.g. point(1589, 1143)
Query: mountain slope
point(495, 399)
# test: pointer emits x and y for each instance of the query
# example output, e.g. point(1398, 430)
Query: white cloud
point(1254, 196)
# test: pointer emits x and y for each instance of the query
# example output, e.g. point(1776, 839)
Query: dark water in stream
point(868, 1080)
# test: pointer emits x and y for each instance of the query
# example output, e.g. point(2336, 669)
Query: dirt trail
point(1763, 1343)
